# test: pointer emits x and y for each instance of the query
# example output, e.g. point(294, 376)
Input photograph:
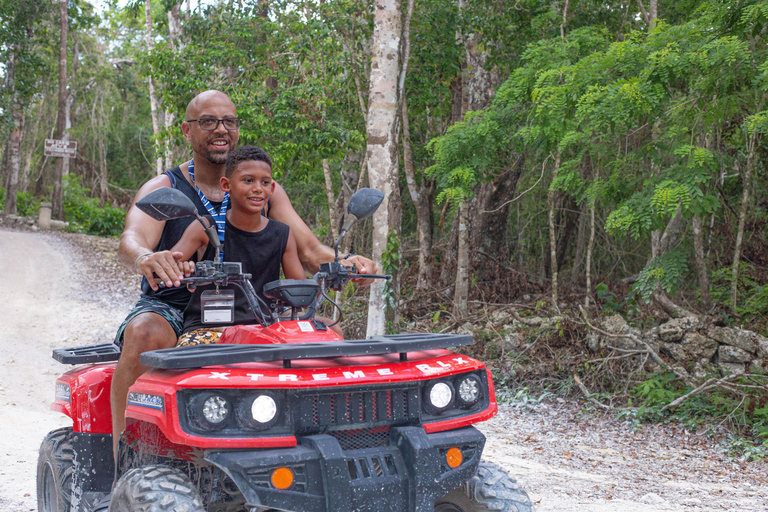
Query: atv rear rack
point(197, 356)
point(102, 353)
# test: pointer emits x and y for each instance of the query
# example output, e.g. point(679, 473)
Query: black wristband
point(348, 256)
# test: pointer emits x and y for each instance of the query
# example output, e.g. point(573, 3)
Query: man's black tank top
point(261, 254)
point(172, 232)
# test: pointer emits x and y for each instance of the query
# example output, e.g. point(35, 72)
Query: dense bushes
point(84, 213)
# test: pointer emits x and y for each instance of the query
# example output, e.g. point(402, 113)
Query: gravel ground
point(567, 459)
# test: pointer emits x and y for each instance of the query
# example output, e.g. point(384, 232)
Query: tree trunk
point(650, 16)
point(152, 94)
point(331, 201)
point(421, 201)
point(68, 106)
point(476, 90)
point(103, 169)
point(701, 261)
point(581, 243)
point(14, 157)
point(461, 292)
point(752, 143)
point(61, 121)
point(12, 153)
point(588, 263)
point(491, 217)
point(553, 233)
point(382, 139)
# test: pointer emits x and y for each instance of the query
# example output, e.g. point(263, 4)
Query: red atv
point(281, 415)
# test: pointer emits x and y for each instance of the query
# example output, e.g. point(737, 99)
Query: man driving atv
point(212, 128)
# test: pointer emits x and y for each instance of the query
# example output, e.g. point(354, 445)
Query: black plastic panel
point(297, 293)
point(199, 356)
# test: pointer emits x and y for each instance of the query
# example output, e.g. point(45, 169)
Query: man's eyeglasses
point(209, 124)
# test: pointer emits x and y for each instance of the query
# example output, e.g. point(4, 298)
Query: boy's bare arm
point(310, 251)
point(192, 241)
point(291, 265)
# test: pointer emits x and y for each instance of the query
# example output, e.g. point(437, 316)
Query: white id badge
point(218, 307)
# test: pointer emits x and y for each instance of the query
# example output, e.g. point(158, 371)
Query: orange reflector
point(282, 478)
point(454, 457)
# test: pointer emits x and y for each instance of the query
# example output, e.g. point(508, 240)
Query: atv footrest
point(101, 353)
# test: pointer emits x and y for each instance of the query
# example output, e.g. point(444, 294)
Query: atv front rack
point(197, 356)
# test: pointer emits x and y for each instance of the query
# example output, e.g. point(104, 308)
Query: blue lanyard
point(221, 216)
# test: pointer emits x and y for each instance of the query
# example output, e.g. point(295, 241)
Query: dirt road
point(60, 290)
point(47, 304)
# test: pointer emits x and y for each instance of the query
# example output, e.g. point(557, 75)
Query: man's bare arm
point(311, 252)
point(141, 235)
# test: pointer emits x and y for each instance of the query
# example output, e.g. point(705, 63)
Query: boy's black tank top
point(261, 254)
point(172, 232)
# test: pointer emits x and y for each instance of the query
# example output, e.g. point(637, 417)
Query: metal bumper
point(408, 475)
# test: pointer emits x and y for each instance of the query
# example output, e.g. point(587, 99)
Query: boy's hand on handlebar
point(187, 268)
point(364, 266)
point(162, 266)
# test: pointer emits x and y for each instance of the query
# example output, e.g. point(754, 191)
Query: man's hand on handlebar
point(364, 266)
point(165, 266)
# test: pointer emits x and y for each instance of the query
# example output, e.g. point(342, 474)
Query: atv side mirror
point(362, 205)
point(166, 204)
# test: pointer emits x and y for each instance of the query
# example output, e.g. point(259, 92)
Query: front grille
point(359, 438)
point(318, 412)
point(371, 466)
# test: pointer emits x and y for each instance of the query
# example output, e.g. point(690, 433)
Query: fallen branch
point(711, 383)
point(714, 382)
point(587, 394)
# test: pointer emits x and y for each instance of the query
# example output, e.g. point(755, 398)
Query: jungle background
point(569, 159)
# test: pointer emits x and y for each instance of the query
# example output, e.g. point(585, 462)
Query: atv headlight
point(469, 390)
point(63, 392)
point(439, 397)
point(258, 411)
point(209, 411)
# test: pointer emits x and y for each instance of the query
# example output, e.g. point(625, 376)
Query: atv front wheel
point(155, 488)
point(491, 489)
point(55, 465)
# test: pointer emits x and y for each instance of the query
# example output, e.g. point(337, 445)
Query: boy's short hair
point(243, 154)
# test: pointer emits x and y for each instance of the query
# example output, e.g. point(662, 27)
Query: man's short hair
point(243, 154)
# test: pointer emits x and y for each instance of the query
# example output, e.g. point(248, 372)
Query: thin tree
point(61, 121)
point(152, 94)
point(382, 138)
point(751, 155)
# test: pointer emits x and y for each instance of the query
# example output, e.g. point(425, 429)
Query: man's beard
point(216, 158)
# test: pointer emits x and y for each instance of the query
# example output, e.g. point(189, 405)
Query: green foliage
point(666, 271)
point(754, 306)
point(660, 389)
point(390, 261)
point(84, 213)
point(27, 205)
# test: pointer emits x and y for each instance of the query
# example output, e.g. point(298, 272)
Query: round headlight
point(209, 411)
point(439, 396)
point(468, 390)
point(258, 411)
point(264, 409)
